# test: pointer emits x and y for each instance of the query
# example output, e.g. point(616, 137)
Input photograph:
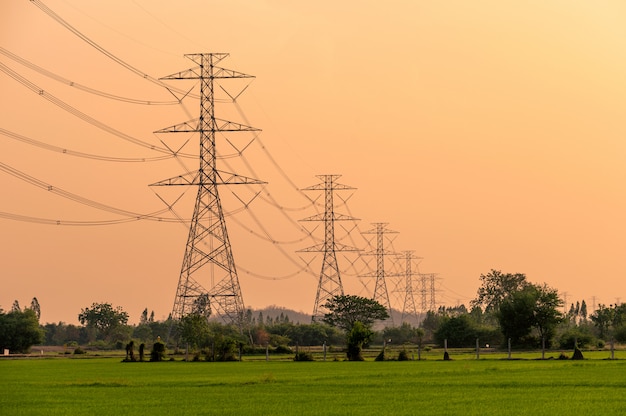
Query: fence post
point(509, 348)
point(477, 349)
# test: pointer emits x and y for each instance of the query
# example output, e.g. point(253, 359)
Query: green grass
point(105, 386)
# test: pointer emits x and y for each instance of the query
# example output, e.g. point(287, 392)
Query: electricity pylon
point(381, 295)
point(208, 278)
point(330, 278)
point(409, 308)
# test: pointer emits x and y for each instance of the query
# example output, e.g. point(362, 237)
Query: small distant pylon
point(208, 277)
point(427, 287)
point(329, 284)
point(409, 308)
point(433, 302)
point(381, 295)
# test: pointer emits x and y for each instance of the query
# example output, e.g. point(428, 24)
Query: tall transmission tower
point(208, 278)
point(381, 295)
point(330, 278)
point(409, 308)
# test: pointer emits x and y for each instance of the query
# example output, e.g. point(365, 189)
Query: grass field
point(464, 386)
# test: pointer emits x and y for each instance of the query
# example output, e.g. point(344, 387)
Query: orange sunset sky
point(488, 134)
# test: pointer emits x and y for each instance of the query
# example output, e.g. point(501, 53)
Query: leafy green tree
point(458, 330)
point(355, 315)
point(608, 319)
point(496, 287)
point(194, 330)
point(103, 318)
point(20, 330)
point(357, 337)
point(546, 310)
point(404, 334)
point(347, 310)
point(532, 307)
point(431, 324)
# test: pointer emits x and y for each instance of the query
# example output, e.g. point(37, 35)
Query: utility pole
point(208, 278)
point(381, 295)
point(329, 284)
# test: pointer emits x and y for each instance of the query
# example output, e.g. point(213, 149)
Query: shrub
point(283, 349)
point(303, 356)
point(403, 355)
point(575, 335)
point(158, 351)
point(79, 350)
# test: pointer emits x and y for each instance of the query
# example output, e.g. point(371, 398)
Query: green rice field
point(464, 386)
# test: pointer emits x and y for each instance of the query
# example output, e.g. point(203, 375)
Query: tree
point(583, 310)
point(532, 307)
point(20, 330)
point(346, 310)
point(357, 337)
point(103, 318)
point(34, 306)
point(194, 330)
point(458, 330)
point(16, 306)
point(496, 287)
point(144, 317)
point(608, 319)
point(403, 334)
point(546, 310)
point(355, 315)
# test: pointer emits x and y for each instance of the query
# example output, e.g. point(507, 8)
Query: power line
point(81, 87)
point(81, 200)
point(59, 103)
point(99, 48)
point(65, 151)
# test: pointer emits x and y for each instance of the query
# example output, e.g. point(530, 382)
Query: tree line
point(507, 308)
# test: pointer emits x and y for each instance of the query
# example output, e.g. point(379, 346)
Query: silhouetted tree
point(496, 287)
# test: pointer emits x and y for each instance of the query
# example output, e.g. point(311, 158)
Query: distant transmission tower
point(330, 278)
point(409, 308)
point(208, 277)
point(381, 295)
point(427, 286)
point(433, 302)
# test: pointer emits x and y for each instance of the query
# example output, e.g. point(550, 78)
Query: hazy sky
point(488, 134)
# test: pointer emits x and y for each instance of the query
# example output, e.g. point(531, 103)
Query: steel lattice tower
point(433, 303)
point(423, 292)
point(381, 295)
point(208, 278)
point(330, 278)
point(409, 308)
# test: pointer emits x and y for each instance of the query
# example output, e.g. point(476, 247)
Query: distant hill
point(274, 312)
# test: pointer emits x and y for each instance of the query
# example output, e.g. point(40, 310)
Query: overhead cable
point(65, 151)
point(78, 86)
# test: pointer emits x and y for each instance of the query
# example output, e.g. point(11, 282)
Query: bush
point(582, 336)
point(158, 351)
point(283, 349)
point(79, 350)
point(303, 356)
point(403, 355)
